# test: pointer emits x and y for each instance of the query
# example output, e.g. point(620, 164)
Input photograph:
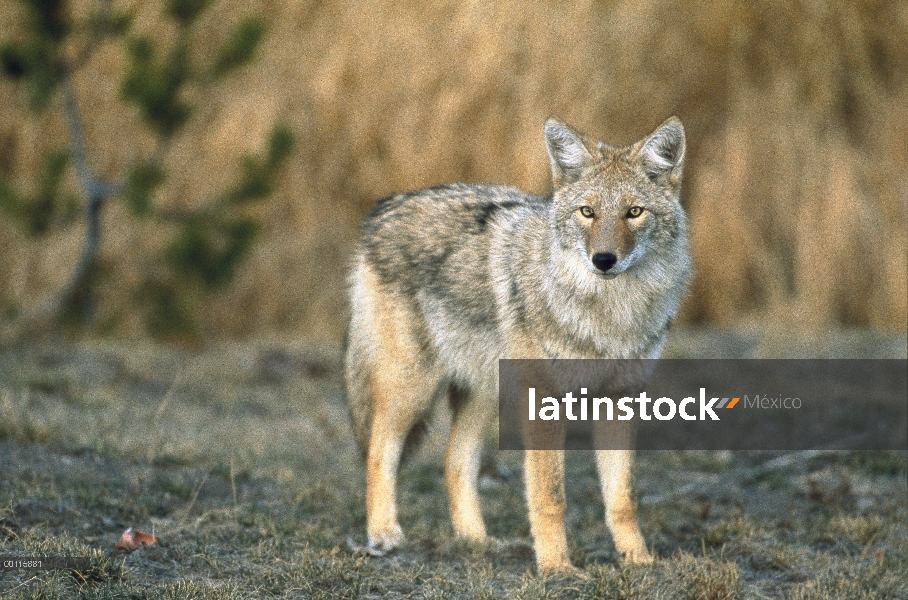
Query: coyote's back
point(446, 281)
point(421, 288)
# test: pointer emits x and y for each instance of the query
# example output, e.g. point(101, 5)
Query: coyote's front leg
point(545, 499)
point(614, 468)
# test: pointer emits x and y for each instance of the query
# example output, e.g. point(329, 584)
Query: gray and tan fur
point(446, 281)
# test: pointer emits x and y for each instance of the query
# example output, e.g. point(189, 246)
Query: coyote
point(446, 281)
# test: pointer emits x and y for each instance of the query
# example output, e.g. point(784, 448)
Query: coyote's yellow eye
point(587, 212)
point(634, 212)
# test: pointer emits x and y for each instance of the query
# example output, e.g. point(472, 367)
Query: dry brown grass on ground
point(242, 461)
point(795, 111)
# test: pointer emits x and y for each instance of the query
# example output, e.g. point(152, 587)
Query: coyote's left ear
point(661, 155)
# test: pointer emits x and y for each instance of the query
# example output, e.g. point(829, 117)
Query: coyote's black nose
point(604, 260)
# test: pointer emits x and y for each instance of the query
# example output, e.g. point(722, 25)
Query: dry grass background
point(796, 112)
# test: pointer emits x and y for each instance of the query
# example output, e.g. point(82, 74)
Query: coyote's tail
point(359, 403)
point(360, 407)
point(357, 388)
point(360, 415)
point(360, 365)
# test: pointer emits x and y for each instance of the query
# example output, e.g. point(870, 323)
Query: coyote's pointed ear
point(661, 155)
point(567, 153)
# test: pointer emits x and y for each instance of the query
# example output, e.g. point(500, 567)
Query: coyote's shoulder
point(436, 248)
point(424, 236)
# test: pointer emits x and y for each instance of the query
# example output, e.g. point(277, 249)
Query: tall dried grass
point(796, 112)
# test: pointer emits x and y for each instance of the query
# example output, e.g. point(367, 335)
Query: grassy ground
point(242, 461)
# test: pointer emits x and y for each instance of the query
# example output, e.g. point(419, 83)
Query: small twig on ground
point(780, 462)
point(195, 495)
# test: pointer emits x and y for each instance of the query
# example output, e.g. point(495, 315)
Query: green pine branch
point(209, 243)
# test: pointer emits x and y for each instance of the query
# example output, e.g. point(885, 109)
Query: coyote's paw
point(356, 548)
point(638, 556)
point(561, 569)
point(630, 545)
point(383, 541)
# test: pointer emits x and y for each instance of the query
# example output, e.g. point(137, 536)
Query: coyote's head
point(616, 209)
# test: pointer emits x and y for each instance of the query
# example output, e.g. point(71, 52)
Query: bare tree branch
point(95, 192)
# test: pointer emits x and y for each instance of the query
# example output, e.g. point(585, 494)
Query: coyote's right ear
point(567, 153)
point(661, 155)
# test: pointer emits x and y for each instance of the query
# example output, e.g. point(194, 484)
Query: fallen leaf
point(133, 539)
